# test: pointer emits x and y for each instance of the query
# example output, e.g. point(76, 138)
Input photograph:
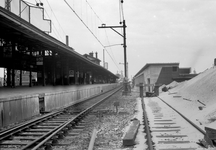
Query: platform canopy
point(14, 28)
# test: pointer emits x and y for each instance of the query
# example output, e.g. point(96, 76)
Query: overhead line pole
point(124, 45)
point(124, 41)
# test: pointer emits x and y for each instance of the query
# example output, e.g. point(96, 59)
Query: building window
point(175, 69)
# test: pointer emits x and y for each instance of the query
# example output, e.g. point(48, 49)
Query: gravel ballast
point(110, 125)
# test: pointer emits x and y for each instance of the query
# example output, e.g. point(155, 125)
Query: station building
point(157, 74)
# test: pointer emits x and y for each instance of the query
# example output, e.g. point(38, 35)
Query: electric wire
point(120, 15)
point(113, 58)
point(55, 16)
point(93, 11)
point(122, 10)
point(57, 34)
point(91, 30)
point(54, 31)
point(83, 23)
point(111, 51)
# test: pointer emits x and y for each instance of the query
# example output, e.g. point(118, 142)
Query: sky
point(158, 31)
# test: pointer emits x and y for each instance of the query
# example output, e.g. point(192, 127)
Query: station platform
point(21, 103)
point(7, 92)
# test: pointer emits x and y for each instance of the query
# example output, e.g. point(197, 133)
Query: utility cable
point(90, 29)
point(94, 11)
point(55, 16)
point(111, 51)
point(58, 36)
point(56, 33)
point(120, 14)
point(83, 23)
point(122, 10)
point(113, 58)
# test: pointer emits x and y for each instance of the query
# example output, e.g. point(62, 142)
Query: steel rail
point(147, 129)
point(48, 136)
point(189, 121)
point(7, 133)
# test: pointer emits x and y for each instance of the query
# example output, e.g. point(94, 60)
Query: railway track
point(44, 132)
point(167, 129)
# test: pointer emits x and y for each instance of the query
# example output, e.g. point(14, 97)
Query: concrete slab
point(130, 135)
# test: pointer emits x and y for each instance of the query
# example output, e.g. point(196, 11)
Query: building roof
point(154, 64)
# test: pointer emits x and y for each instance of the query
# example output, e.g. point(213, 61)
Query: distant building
point(91, 57)
point(153, 74)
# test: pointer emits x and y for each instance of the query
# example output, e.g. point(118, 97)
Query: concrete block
point(130, 134)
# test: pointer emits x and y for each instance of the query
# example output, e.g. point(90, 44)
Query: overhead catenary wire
point(111, 51)
point(121, 14)
point(83, 22)
point(113, 59)
point(93, 11)
point(121, 9)
point(55, 16)
point(57, 34)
